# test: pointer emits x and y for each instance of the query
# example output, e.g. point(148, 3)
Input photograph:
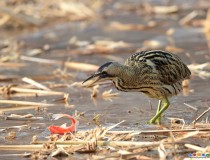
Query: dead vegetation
point(23, 14)
point(106, 143)
point(39, 81)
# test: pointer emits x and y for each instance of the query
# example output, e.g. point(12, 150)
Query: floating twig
point(20, 147)
point(34, 91)
point(73, 65)
point(190, 106)
point(23, 117)
point(34, 83)
point(15, 108)
point(194, 147)
point(12, 65)
point(165, 9)
point(25, 103)
point(161, 131)
point(200, 116)
point(15, 127)
point(207, 23)
point(102, 143)
point(188, 17)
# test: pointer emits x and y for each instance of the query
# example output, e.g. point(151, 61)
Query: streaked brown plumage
point(158, 74)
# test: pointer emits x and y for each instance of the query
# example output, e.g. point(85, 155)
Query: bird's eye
point(104, 72)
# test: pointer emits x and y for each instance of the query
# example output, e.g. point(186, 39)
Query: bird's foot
point(151, 122)
point(158, 120)
point(155, 121)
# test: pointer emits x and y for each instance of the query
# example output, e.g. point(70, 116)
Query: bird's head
point(108, 71)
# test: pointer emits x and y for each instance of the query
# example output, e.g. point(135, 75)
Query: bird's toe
point(153, 121)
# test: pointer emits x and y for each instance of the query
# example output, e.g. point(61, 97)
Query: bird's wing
point(168, 66)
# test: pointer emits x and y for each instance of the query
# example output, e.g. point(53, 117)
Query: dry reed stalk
point(165, 9)
point(72, 65)
point(21, 155)
point(200, 116)
point(36, 91)
point(194, 147)
point(81, 66)
point(115, 125)
point(23, 118)
point(25, 103)
point(188, 17)
point(40, 60)
point(207, 23)
point(12, 65)
point(190, 106)
point(20, 147)
point(159, 131)
point(17, 95)
point(108, 94)
point(207, 28)
point(102, 143)
point(34, 83)
point(15, 127)
point(15, 108)
point(125, 27)
point(184, 136)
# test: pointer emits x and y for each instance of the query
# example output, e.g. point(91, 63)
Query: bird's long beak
point(95, 77)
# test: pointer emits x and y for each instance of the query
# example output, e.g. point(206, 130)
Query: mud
point(134, 108)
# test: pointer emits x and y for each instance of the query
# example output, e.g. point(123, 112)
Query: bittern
point(158, 74)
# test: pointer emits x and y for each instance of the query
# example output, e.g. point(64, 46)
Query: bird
point(155, 73)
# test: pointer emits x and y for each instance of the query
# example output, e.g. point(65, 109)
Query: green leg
point(158, 110)
point(158, 114)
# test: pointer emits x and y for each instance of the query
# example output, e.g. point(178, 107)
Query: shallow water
point(135, 108)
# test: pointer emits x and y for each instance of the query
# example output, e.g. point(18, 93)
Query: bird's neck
point(125, 74)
